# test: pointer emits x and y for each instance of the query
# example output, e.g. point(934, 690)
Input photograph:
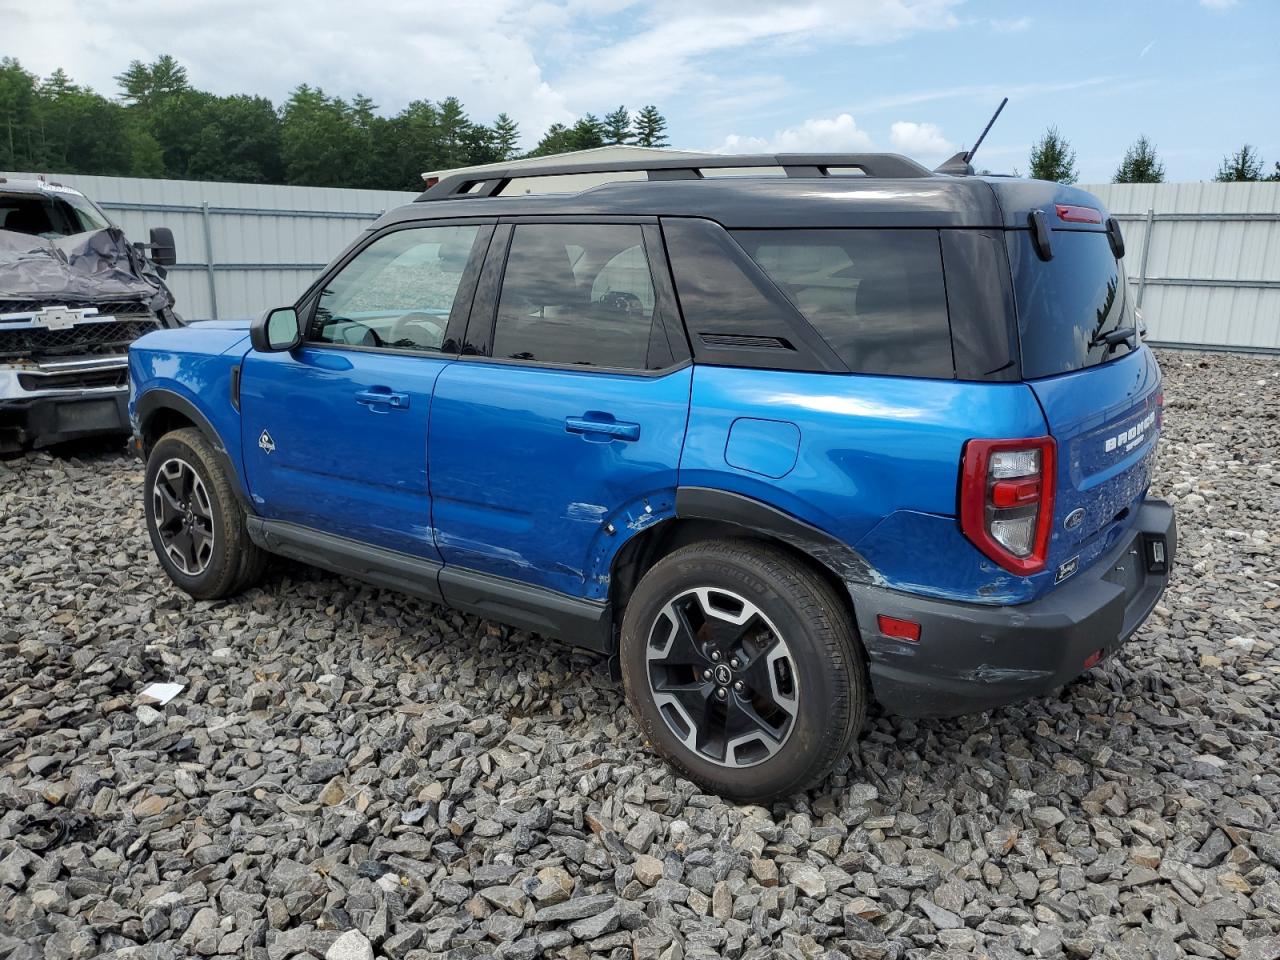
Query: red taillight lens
point(1006, 500)
point(1160, 410)
point(1070, 213)
point(1015, 493)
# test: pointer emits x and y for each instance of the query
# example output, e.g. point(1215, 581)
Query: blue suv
point(774, 435)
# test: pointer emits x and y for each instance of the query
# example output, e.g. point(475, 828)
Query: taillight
point(1006, 500)
point(1160, 410)
point(1071, 213)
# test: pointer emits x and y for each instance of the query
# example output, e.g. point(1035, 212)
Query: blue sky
point(1198, 77)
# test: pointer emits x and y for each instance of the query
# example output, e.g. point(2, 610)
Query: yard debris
point(158, 694)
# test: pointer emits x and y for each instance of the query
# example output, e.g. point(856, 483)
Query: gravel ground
point(348, 771)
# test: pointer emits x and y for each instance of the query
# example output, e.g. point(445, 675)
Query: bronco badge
point(266, 443)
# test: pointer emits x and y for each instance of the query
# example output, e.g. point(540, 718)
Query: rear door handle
point(600, 430)
point(377, 398)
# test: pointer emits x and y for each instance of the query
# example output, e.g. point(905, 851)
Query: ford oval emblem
point(1074, 519)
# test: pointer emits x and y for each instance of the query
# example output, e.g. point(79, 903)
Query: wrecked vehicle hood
point(84, 267)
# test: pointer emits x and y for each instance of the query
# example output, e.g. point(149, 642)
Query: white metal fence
point(242, 247)
point(1203, 258)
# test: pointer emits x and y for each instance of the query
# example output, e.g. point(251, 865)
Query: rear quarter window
point(1065, 305)
point(876, 296)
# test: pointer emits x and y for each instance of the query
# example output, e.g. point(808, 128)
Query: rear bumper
point(38, 408)
point(972, 657)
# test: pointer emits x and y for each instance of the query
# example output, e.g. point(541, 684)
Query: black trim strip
point(707, 503)
point(415, 576)
point(153, 401)
point(583, 623)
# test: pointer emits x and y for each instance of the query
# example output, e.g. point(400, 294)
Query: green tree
point(587, 133)
point(481, 144)
point(17, 115)
point(617, 126)
point(1053, 159)
point(1243, 165)
point(239, 140)
point(319, 143)
point(142, 84)
point(506, 137)
point(557, 139)
point(454, 127)
point(79, 131)
point(1140, 164)
point(651, 127)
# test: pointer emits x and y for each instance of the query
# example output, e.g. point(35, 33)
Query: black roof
point(889, 191)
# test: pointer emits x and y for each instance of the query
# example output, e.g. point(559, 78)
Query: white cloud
point(838, 134)
point(1011, 26)
point(920, 139)
point(1218, 4)
point(1147, 49)
point(542, 61)
point(991, 91)
point(668, 52)
point(483, 51)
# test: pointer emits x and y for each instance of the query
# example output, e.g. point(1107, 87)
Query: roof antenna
point(960, 164)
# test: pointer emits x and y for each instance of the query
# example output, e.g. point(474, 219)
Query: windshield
point(1068, 305)
point(49, 215)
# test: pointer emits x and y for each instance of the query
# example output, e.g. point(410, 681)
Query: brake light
point(1006, 500)
point(1070, 213)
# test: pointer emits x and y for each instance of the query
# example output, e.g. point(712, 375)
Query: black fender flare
point(158, 399)
point(708, 503)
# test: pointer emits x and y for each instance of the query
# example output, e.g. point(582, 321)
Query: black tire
point(824, 667)
point(228, 564)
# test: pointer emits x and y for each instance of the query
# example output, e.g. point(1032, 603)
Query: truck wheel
point(743, 669)
point(196, 524)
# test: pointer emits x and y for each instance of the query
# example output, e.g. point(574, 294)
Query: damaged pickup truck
point(74, 293)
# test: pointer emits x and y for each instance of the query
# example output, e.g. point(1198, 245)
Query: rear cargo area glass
point(1067, 304)
point(876, 296)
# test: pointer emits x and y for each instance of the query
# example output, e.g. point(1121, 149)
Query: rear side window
point(876, 296)
point(577, 294)
point(1068, 304)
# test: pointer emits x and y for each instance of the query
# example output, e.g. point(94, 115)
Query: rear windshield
point(49, 215)
point(876, 296)
point(1068, 304)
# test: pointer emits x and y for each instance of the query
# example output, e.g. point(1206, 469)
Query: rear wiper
point(1113, 338)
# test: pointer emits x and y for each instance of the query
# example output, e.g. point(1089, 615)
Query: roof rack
point(492, 182)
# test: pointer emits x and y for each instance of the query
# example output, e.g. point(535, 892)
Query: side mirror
point(163, 250)
point(276, 331)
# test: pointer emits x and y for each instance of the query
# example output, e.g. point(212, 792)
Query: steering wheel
point(401, 334)
point(621, 302)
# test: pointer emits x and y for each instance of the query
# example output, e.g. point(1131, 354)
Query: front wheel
point(743, 668)
point(196, 524)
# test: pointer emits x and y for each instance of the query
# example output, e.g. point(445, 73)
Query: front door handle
point(380, 399)
point(596, 428)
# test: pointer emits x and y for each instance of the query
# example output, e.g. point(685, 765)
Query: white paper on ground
point(162, 693)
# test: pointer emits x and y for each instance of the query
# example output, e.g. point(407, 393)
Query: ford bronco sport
point(74, 293)
point(773, 444)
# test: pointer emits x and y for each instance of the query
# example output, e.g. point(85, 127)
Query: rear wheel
point(743, 668)
point(196, 524)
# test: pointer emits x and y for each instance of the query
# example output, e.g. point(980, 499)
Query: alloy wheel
point(722, 676)
point(183, 516)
